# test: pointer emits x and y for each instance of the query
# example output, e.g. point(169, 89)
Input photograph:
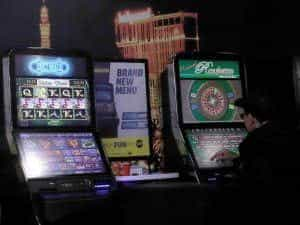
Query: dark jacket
point(266, 165)
point(264, 194)
point(264, 156)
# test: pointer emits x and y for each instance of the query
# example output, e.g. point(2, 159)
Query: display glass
point(205, 143)
point(52, 91)
point(52, 102)
point(54, 154)
point(208, 69)
point(122, 108)
point(210, 100)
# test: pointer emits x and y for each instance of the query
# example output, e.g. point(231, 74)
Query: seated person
point(259, 159)
point(262, 164)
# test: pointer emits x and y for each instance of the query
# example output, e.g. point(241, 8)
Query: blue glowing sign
point(56, 66)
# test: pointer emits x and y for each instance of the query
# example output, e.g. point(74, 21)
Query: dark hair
point(259, 106)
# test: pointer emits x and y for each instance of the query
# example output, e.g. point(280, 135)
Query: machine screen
point(210, 100)
point(207, 142)
point(52, 102)
point(52, 90)
point(53, 154)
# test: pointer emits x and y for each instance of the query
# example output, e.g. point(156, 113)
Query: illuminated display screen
point(210, 100)
point(54, 154)
point(208, 69)
point(52, 102)
point(122, 108)
point(205, 143)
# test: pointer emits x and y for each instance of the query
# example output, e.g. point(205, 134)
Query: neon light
point(56, 66)
point(102, 186)
point(130, 17)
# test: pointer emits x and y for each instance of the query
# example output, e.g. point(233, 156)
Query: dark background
point(252, 27)
point(264, 32)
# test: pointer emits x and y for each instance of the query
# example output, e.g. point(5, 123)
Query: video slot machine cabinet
point(202, 90)
point(49, 126)
point(123, 118)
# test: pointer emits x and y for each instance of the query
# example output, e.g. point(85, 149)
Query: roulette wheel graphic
point(212, 100)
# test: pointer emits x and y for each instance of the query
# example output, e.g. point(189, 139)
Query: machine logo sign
point(202, 67)
point(54, 67)
point(208, 67)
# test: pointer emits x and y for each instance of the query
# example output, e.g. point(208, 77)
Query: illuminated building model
point(45, 26)
point(141, 34)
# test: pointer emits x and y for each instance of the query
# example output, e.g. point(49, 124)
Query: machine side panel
point(7, 105)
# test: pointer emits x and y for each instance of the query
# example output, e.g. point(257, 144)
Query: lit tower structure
point(141, 34)
point(45, 26)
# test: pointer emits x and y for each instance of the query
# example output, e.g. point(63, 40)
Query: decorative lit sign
point(56, 66)
point(130, 17)
point(203, 66)
point(209, 69)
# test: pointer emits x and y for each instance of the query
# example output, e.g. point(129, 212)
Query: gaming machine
point(49, 119)
point(202, 90)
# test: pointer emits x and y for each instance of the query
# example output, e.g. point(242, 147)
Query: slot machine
point(203, 118)
point(49, 121)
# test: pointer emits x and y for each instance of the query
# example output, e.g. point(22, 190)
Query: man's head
point(256, 110)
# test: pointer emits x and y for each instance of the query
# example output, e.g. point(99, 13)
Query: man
point(259, 154)
point(263, 163)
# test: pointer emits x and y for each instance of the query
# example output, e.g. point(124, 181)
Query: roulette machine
point(203, 119)
point(49, 128)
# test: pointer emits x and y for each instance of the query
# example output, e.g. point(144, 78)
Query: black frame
point(145, 62)
point(87, 129)
point(207, 56)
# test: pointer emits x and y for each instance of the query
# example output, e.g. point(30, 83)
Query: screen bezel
point(51, 53)
point(105, 160)
point(207, 56)
point(150, 130)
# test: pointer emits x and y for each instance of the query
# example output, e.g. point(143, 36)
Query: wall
point(260, 30)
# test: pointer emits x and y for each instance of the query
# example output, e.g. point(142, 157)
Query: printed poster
point(121, 104)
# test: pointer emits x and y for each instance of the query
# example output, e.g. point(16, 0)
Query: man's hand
point(224, 155)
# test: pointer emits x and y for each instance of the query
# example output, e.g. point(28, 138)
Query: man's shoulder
point(266, 137)
point(271, 130)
